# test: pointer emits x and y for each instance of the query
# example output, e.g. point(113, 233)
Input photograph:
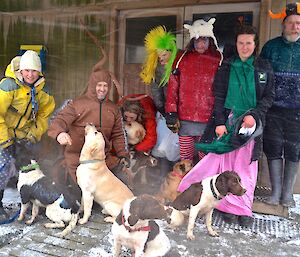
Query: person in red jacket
point(141, 108)
point(190, 93)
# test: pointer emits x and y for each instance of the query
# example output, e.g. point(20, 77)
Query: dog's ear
point(139, 135)
point(133, 219)
point(182, 167)
point(222, 184)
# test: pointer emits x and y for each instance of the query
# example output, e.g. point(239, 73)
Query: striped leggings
point(187, 147)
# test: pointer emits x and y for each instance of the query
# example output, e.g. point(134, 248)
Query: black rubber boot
point(275, 172)
point(290, 175)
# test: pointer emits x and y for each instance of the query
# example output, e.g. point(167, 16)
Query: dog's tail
point(71, 226)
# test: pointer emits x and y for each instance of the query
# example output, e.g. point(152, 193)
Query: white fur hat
point(202, 28)
point(30, 61)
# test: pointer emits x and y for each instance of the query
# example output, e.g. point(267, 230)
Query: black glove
point(172, 121)
point(162, 111)
point(125, 161)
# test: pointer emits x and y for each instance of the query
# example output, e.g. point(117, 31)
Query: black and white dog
point(41, 191)
point(135, 228)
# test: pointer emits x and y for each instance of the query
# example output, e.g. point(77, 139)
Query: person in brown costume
point(92, 107)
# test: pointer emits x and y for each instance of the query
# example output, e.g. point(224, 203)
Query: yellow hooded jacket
point(16, 119)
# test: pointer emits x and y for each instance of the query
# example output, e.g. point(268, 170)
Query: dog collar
point(129, 229)
point(176, 174)
point(216, 195)
point(30, 167)
point(91, 161)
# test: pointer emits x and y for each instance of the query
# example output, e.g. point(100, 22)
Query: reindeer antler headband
point(98, 66)
point(290, 9)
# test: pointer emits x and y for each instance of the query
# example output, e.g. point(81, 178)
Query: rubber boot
point(275, 172)
point(290, 175)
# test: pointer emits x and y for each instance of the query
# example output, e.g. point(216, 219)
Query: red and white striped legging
point(187, 147)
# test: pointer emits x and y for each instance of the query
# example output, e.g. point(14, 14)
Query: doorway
point(134, 25)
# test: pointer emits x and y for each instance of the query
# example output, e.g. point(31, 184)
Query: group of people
point(225, 111)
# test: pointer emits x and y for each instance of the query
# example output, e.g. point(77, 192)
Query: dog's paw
point(20, 218)
point(82, 221)
point(29, 222)
point(109, 219)
point(213, 233)
point(61, 234)
point(190, 236)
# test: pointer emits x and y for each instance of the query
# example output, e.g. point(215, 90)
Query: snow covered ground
point(233, 241)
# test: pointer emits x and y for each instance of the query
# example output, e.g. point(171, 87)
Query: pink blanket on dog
point(239, 161)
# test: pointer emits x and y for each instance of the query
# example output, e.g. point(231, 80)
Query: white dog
point(135, 228)
point(96, 181)
point(60, 205)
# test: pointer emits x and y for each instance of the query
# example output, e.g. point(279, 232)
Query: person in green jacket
point(281, 134)
point(25, 108)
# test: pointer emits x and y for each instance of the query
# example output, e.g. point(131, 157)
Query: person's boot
point(290, 175)
point(275, 172)
point(3, 213)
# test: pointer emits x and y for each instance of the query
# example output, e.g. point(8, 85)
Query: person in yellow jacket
point(24, 110)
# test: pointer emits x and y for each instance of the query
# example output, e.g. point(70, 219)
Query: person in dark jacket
point(243, 90)
point(281, 135)
point(189, 94)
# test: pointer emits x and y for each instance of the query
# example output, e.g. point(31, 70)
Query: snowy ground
point(233, 241)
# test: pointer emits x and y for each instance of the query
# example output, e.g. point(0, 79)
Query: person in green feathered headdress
point(161, 52)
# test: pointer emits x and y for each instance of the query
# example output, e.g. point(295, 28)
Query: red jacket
point(190, 93)
point(149, 123)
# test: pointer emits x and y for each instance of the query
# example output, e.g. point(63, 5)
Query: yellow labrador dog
point(135, 132)
point(96, 181)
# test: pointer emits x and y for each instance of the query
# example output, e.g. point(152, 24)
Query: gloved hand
point(31, 138)
point(172, 121)
point(125, 161)
point(162, 111)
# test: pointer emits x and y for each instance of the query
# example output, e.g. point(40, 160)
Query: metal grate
point(265, 224)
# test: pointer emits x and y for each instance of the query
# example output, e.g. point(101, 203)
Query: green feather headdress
point(158, 39)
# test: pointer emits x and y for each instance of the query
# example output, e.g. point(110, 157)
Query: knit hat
point(202, 28)
point(290, 9)
point(30, 60)
point(158, 39)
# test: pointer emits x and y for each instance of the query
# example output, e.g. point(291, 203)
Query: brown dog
point(96, 181)
point(135, 132)
point(139, 161)
point(168, 190)
point(201, 198)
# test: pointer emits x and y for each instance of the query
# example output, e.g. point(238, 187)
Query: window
point(136, 30)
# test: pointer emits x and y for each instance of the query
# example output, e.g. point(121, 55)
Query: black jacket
point(264, 84)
